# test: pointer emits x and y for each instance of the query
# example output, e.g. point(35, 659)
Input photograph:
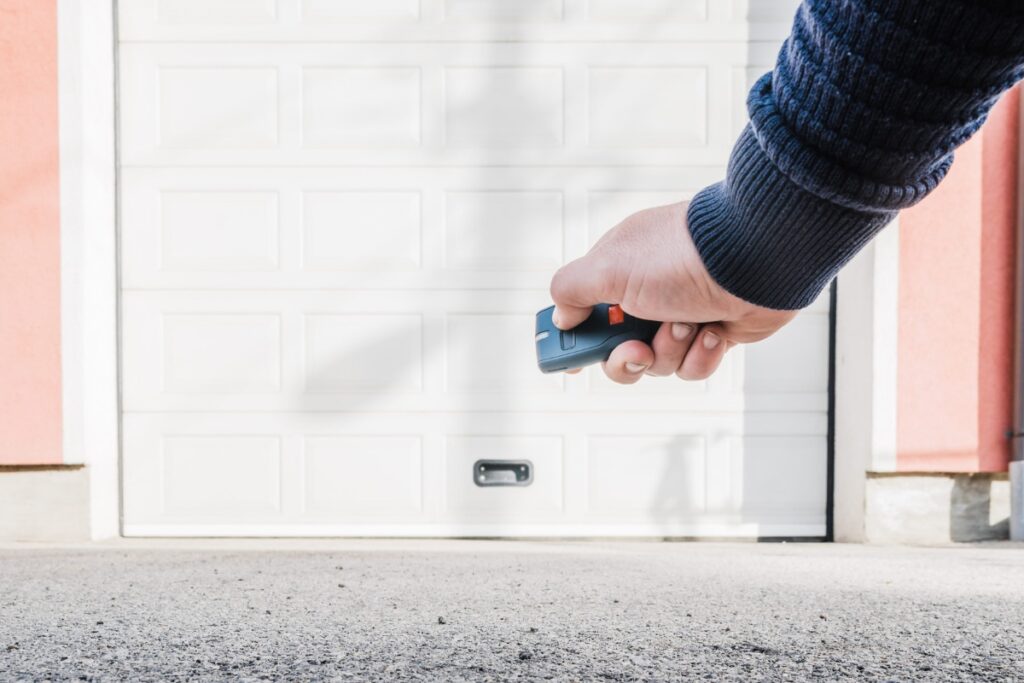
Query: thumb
point(576, 287)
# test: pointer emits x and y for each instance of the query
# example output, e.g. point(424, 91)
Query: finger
point(705, 354)
point(575, 288)
point(574, 371)
point(628, 362)
point(670, 345)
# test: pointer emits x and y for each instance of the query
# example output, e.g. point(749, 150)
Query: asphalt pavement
point(495, 611)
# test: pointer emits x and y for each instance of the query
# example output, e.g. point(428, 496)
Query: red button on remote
point(615, 315)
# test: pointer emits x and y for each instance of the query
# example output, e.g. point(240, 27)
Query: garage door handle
point(503, 472)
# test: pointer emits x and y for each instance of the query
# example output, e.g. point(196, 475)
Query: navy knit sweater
point(859, 119)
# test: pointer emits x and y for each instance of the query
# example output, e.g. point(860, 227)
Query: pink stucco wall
point(956, 309)
point(30, 384)
point(1000, 169)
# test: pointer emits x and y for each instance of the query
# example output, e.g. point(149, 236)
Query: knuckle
point(606, 272)
point(559, 283)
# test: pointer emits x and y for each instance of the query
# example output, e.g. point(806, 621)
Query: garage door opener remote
point(589, 342)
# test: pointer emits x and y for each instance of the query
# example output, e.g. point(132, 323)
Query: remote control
point(589, 342)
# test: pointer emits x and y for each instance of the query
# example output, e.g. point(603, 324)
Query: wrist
point(769, 242)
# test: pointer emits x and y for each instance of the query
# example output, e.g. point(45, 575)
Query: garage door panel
point(504, 108)
point(482, 356)
point(191, 12)
point(338, 104)
point(226, 231)
point(188, 476)
point(661, 477)
point(346, 352)
point(337, 222)
point(355, 230)
point(679, 120)
point(525, 229)
point(347, 11)
point(218, 353)
point(543, 499)
point(365, 473)
point(794, 360)
point(422, 350)
point(362, 477)
point(781, 476)
point(239, 107)
point(454, 20)
point(409, 228)
point(361, 107)
point(230, 475)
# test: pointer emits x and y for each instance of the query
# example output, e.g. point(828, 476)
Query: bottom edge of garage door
point(740, 531)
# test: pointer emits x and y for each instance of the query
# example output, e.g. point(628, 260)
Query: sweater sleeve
point(859, 119)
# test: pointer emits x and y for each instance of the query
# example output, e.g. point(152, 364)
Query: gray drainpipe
point(1017, 456)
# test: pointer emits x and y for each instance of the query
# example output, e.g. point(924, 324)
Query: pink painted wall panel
point(956, 303)
point(998, 259)
point(937, 372)
point(30, 384)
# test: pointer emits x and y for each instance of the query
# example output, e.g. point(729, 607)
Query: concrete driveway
point(476, 610)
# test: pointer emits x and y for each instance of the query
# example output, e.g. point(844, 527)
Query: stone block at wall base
point(936, 508)
point(44, 504)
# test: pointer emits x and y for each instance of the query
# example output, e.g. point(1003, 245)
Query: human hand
point(649, 265)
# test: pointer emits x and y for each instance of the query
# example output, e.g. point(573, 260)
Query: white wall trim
point(1016, 465)
point(867, 317)
point(86, 90)
point(885, 348)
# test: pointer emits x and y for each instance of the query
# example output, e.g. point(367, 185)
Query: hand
point(649, 265)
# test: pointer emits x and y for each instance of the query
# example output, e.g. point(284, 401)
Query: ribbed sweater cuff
point(770, 242)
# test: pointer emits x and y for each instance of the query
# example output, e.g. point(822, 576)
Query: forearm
point(858, 120)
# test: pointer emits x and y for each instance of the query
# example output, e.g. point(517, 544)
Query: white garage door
point(337, 220)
